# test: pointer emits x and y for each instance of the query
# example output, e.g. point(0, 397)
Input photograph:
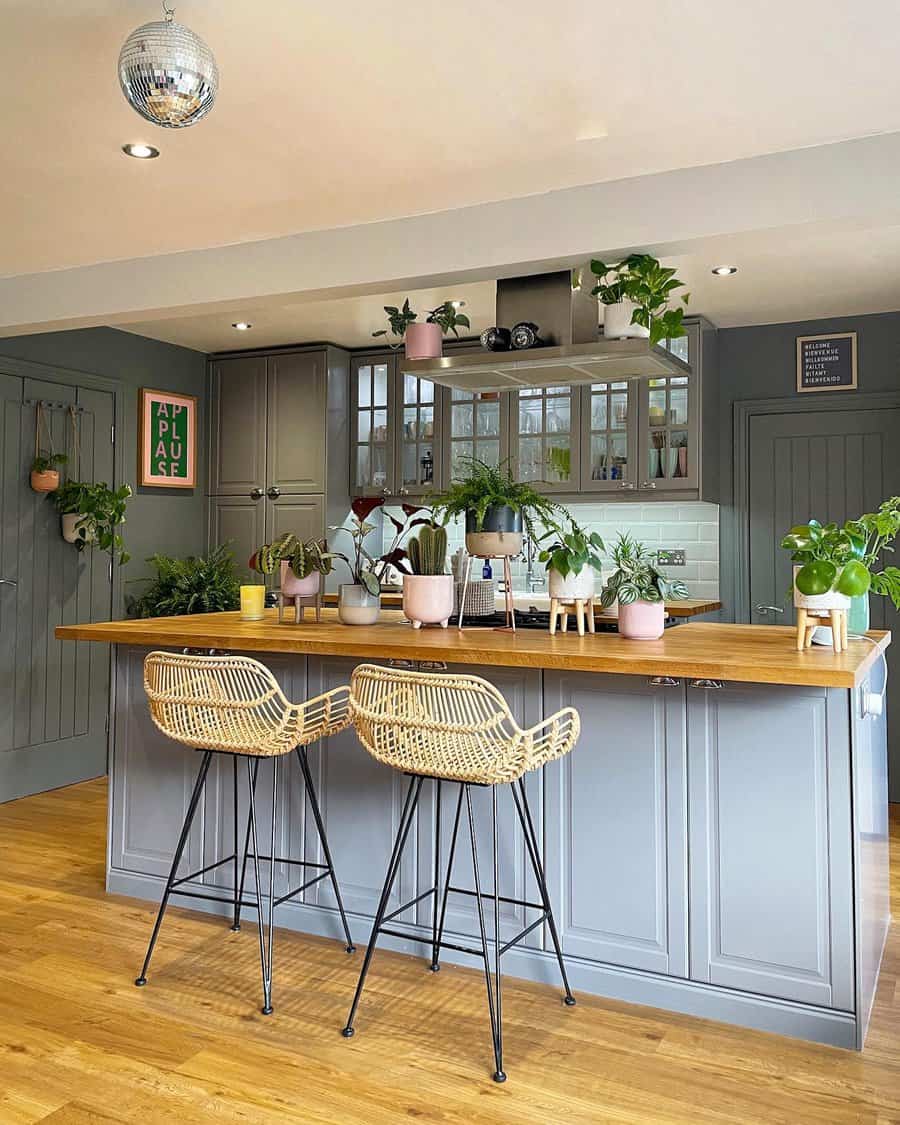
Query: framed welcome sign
point(167, 439)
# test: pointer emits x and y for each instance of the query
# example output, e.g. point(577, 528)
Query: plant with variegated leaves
point(636, 578)
point(304, 558)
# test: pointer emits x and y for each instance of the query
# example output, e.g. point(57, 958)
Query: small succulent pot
point(294, 587)
point(642, 621)
point(428, 599)
point(831, 599)
point(424, 341)
point(356, 606)
point(617, 322)
point(70, 531)
point(501, 533)
point(46, 481)
point(574, 587)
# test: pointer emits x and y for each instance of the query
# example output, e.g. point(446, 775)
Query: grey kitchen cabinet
point(770, 842)
point(616, 811)
point(243, 523)
point(545, 437)
point(237, 425)
point(396, 429)
point(475, 425)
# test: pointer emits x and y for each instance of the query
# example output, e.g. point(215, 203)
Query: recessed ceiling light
point(141, 151)
point(724, 271)
point(458, 304)
point(241, 325)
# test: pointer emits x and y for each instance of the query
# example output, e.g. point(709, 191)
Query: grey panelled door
point(53, 695)
point(832, 465)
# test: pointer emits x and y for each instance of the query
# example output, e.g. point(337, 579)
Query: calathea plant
point(304, 558)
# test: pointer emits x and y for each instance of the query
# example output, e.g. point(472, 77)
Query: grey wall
point(168, 521)
point(760, 362)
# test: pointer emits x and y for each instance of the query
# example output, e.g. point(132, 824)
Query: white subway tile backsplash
point(677, 534)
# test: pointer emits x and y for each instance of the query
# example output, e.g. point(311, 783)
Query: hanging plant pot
point(72, 532)
point(424, 341)
point(46, 481)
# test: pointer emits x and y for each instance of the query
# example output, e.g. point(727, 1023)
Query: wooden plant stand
point(808, 620)
point(300, 605)
point(560, 609)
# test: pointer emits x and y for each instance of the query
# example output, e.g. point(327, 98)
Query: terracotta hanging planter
point(44, 481)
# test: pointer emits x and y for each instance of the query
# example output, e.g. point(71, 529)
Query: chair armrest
point(325, 714)
point(552, 737)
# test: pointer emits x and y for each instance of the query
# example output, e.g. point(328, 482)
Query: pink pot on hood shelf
point(424, 341)
point(642, 621)
point(294, 587)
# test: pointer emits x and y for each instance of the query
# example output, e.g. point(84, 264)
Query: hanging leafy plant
point(101, 510)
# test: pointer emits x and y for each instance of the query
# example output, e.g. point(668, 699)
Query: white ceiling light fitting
point(141, 151)
point(724, 271)
point(241, 325)
point(167, 73)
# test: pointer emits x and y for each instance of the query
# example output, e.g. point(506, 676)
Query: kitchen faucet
point(532, 582)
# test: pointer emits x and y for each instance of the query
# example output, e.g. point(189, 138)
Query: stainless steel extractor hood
point(567, 316)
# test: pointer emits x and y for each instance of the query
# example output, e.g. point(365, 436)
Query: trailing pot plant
point(423, 340)
point(641, 285)
point(91, 514)
point(496, 508)
point(428, 590)
point(45, 471)
point(196, 584)
point(572, 558)
point(302, 564)
point(640, 590)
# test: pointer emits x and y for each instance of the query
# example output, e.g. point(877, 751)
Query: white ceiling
point(338, 114)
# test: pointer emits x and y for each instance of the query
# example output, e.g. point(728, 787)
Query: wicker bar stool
point(457, 729)
point(233, 705)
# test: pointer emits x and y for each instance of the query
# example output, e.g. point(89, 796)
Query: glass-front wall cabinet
point(545, 437)
point(419, 433)
point(610, 425)
point(478, 428)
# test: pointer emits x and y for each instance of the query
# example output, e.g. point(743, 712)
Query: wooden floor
point(79, 1043)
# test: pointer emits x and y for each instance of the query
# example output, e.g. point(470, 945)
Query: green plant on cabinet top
point(641, 279)
point(445, 315)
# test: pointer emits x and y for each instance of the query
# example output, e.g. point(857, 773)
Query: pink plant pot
point(428, 599)
point(294, 587)
point(424, 341)
point(642, 621)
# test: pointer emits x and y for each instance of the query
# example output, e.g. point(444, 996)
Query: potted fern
point(204, 584)
point(423, 340)
point(302, 564)
point(636, 294)
point(640, 590)
point(428, 591)
point(496, 508)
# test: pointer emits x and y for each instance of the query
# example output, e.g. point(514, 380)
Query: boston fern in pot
point(496, 509)
point(640, 590)
point(196, 584)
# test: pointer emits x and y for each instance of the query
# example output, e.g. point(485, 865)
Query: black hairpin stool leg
point(326, 851)
point(406, 819)
point(179, 851)
point(438, 933)
point(531, 843)
point(265, 940)
point(239, 897)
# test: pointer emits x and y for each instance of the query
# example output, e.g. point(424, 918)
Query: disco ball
point(168, 74)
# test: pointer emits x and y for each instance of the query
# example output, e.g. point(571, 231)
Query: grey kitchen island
point(717, 843)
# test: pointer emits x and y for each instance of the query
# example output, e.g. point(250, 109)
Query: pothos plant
point(636, 578)
point(569, 552)
point(367, 569)
point(102, 512)
point(845, 558)
point(641, 279)
point(446, 315)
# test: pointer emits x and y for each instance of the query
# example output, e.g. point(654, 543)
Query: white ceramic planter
point(356, 606)
point(70, 522)
point(642, 621)
point(617, 322)
point(428, 599)
point(574, 587)
point(423, 341)
point(828, 601)
point(294, 587)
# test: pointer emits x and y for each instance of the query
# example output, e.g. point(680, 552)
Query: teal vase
point(858, 615)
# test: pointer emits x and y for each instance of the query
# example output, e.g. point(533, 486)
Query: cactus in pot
point(428, 591)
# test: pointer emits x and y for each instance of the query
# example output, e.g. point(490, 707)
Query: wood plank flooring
point(79, 1043)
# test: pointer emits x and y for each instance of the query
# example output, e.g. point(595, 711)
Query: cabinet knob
point(626, 484)
point(273, 493)
point(709, 685)
point(405, 664)
point(256, 494)
point(404, 492)
point(769, 609)
point(385, 491)
point(664, 681)
point(648, 484)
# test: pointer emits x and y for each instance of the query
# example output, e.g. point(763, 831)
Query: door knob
point(769, 609)
point(256, 494)
point(274, 492)
point(8, 582)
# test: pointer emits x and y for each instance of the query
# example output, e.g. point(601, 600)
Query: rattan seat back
point(234, 703)
point(456, 727)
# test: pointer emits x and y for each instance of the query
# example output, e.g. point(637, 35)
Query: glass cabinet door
point(372, 460)
point(610, 429)
point(669, 433)
point(545, 435)
point(418, 447)
point(477, 428)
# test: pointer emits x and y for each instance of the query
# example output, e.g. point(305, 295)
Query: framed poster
point(826, 363)
point(167, 439)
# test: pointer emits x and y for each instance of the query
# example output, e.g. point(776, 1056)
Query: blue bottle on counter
point(486, 571)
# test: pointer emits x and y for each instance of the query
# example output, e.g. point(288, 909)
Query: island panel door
point(771, 908)
point(616, 822)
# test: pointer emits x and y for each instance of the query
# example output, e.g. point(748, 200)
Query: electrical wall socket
point(671, 556)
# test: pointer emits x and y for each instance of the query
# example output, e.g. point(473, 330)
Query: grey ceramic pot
point(500, 533)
